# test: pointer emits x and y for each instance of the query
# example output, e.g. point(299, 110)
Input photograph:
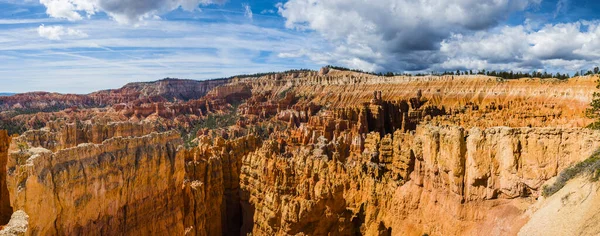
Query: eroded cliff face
point(437, 180)
point(299, 153)
point(75, 178)
point(212, 185)
point(117, 186)
point(60, 135)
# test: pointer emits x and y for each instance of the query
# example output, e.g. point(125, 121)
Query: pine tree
point(594, 111)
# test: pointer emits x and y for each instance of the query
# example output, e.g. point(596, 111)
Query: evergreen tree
point(594, 111)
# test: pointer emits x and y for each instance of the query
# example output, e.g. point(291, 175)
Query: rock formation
point(5, 207)
point(162, 90)
point(430, 181)
point(117, 186)
point(17, 226)
point(298, 153)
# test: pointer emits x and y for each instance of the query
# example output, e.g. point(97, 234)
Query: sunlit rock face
point(118, 185)
point(442, 180)
point(299, 153)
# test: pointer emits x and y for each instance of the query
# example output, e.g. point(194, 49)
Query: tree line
point(500, 74)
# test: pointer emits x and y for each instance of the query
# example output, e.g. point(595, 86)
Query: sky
point(81, 46)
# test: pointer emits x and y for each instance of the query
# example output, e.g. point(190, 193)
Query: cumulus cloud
point(397, 32)
point(569, 46)
point(123, 11)
point(57, 32)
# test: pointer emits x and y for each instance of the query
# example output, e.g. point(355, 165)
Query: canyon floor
point(302, 152)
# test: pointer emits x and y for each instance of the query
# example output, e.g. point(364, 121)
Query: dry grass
point(590, 166)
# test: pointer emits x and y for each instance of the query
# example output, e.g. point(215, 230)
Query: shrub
point(13, 127)
point(212, 121)
point(590, 166)
point(284, 93)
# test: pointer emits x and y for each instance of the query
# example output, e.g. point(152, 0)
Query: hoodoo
point(305, 153)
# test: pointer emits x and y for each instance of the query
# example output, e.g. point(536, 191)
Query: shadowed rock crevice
point(5, 208)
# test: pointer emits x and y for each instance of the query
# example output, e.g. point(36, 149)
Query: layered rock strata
point(114, 187)
point(60, 135)
point(437, 180)
point(333, 152)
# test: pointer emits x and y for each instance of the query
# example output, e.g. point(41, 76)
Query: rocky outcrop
point(17, 226)
point(438, 180)
point(60, 135)
point(471, 100)
point(157, 91)
point(169, 89)
point(212, 185)
point(74, 178)
point(118, 186)
point(43, 101)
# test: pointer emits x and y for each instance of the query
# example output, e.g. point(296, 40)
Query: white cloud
point(570, 46)
point(117, 54)
point(395, 34)
point(123, 11)
point(267, 11)
point(56, 32)
point(247, 11)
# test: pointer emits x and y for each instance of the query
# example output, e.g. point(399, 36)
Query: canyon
point(327, 152)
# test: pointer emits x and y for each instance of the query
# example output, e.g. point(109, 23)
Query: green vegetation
point(284, 93)
point(511, 74)
point(242, 76)
point(590, 166)
point(500, 74)
point(212, 121)
point(348, 69)
point(28, 111)
point(594, 111)
point(12, 127)
point(23, 147)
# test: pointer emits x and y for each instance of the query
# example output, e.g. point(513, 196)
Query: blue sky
point(80, 46)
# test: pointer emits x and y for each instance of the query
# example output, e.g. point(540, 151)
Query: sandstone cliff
point(169, 89)
point(301, 153)
point(115, 178)
point(437, 180)
point(212, 185)
point(114, 187)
